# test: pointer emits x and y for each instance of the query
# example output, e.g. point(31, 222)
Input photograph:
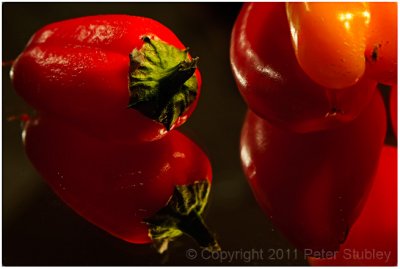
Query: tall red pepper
point(312, 186)
point(138, 192)
point(119, 77)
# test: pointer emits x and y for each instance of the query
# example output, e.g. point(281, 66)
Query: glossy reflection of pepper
point(141, 193)
point(312, 186)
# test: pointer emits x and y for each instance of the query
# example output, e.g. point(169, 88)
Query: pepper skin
point(335, 43)
point(329, 40)
point(136, 192)
point(312, 186)
point(273, 84)
point(376, 228)
point(89, 70)
point(381, 50)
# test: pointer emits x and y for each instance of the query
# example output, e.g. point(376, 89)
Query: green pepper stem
point(162, 83)
point(182, 215)
point(194, 226)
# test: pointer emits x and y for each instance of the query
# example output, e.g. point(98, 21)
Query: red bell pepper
point(312, 186)
point(373, 239)
point(119, 77)
point(138, 192)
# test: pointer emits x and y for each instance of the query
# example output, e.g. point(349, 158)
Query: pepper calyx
point(162, 83)
point(182, 214)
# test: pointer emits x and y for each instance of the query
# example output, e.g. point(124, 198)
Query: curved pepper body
point(115, 186)
point(329, 40)
point(274, 85)
point(335, 43)
point(312, 186)
point(373, 239)
point(79, 70)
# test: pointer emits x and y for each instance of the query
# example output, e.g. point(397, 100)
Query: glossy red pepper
point(89, 70)
point(274, 85)
point(312, 186)
point(138, 192)
point(373, 239)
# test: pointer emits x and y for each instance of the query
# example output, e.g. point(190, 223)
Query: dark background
point(38, 229)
